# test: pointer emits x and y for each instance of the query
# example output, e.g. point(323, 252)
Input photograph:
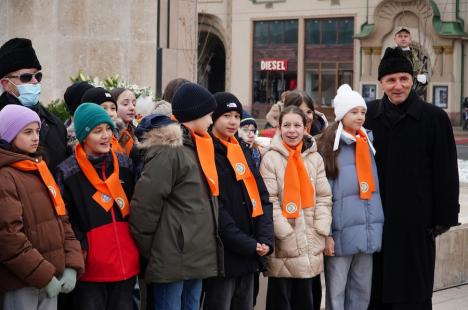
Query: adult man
point(420, 75)
point(20, 78)
point(417, 165)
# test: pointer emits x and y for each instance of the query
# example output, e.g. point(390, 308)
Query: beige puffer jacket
point(299, 243)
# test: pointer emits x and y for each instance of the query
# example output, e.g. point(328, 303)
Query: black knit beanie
point(97, 95)
point(225, 102)
point(73, 95)
point(192, 101)
point(16, 54)
point(394, 61)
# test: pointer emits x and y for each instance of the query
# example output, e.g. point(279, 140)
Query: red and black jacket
point(111, 252)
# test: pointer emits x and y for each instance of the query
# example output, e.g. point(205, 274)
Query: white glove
point(421, 78)
point(68, 280)
point(53, 288)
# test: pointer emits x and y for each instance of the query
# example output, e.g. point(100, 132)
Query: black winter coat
point(417, 165)
point(53, 134)
point(238, 230)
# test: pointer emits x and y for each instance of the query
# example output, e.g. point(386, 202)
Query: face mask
point(29, 94)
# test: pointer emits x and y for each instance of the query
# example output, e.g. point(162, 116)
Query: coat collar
point(415, 106)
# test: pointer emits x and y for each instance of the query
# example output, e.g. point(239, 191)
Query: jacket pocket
point(316, 242)
point(180, 239)
point(287, 247)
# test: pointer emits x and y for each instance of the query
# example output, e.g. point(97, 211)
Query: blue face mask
point(29, 94)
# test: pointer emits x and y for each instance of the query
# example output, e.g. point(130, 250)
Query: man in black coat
point(417, 165)
point(20, 78)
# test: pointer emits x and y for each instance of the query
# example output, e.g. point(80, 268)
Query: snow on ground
point(463, 170)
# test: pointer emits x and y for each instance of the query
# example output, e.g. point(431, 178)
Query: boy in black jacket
point(245, 213)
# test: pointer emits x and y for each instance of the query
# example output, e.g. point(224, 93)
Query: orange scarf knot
point(298, 192)
point(47, 179)
point(108, 191)
point(239, 164)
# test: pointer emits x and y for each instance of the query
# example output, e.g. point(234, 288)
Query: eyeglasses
point(27, 77)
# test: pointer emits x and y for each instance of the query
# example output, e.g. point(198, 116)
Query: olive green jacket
point(174, 217)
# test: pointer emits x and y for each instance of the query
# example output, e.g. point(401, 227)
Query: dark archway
point(211, 62)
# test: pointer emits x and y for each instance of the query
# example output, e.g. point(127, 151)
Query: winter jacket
point(238, 230)
point(319, 124)
point(35, 243)
point(174, 217)
point(416, 161)
point(299, 243)
point(105, 236)
point(53, 134)
point(357, 224)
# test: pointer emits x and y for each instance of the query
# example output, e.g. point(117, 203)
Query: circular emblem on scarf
point(52, 190)
point(120, 202)
point(254, 203)
point(105, 198)
point(240, 168)
point(364, 187)
point(291, 208)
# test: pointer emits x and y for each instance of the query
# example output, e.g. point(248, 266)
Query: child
point(97, 184)
point(316, 121)
point(295, 177)
point(357, 210)
point(245, 213)
point(174, 215)
point(247, 133)
point(103, 98)
point(126, 103)
point(40, 256)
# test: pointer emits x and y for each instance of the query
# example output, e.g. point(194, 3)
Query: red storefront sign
point(274, 65)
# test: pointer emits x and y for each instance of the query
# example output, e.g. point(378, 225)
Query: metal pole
point(158, 52)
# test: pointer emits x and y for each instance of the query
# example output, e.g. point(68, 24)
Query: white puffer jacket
point(299, 243)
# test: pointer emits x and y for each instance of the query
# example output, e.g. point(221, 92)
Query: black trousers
point(427, 305)
point(317, 291)
point(232, 293)
point(290, 294)
point(104, 296)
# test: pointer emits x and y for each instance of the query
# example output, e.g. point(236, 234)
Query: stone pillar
point(366, 62)
point(376, 54)
point(300, 54)
point(438, 70)
point(448, 62)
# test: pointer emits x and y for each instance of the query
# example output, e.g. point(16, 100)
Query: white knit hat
point(345, 100)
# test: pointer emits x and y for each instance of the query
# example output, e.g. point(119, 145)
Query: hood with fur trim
point(170, 135)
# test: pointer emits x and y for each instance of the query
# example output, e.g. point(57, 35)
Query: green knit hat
point(87, 117)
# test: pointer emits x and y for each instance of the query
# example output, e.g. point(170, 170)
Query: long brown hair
point(325, 147)
point(292, 110)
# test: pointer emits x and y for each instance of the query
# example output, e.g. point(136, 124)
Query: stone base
point(452, 258)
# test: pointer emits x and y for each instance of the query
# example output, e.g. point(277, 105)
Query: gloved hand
point(53, 288)
point(421, 78)
point(439, 230)
point(68, 280)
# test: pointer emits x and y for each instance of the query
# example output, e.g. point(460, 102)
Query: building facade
point(105, 38)
point(316, 45)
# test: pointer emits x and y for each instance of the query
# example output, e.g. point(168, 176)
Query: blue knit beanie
point(87, 117)
point(247, 119)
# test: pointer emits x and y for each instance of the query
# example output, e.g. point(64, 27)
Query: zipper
point(114, 226)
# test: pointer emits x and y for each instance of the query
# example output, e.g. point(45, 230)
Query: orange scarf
point(116, 147)
point(47, 179)
point(205, 150)
point(364, 167)
point(298, 192)
point(126, 138)
point(107, 191)
point(241, 168)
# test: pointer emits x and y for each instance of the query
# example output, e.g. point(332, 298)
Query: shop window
point(275, 32)
point(329, 31)
point(323, 79)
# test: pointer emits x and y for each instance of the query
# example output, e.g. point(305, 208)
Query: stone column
point(300, 54)
point(448, 62)
point(438, 70)
point(366, 62)
point(376, 52)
